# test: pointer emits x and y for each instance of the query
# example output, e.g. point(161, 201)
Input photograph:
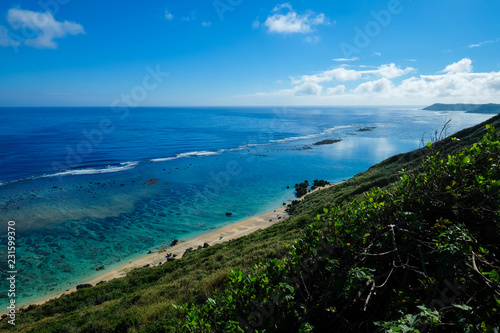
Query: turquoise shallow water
point(105, 211)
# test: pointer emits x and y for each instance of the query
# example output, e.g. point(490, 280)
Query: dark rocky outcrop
point(301, 189)
point(366, 129)
point(319, 183)
point(327, 142)
point(83, 286)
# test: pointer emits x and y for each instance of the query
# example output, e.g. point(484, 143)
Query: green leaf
point(493, 275)
point(463, 307)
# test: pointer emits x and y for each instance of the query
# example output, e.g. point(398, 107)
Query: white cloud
point(206, 24)
point(284, 19)
point(39, 29)
point(471, 86)
point(346, 59)
point(169, 16)
point(338, 90)
point(342, 74)
point(304, 89)
point(339, 74)
point(391, 71)
point(308, 88)
point(380, 86)
point(462, 66)
point(483, 43)
point(456, 84)
point(377, 54)
point(286, 5)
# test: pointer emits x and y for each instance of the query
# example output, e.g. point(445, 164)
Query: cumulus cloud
point(284, 19)
point(456, 83)
point(308, 88)
point(338, 90)
point(380, 86)
point(206, 24)
point(462, 66)
point(37, 29)
point(479, 86)
point(343, 74)
point(391, 71)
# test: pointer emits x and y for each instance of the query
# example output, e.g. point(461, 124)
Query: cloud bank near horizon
point(387, 83)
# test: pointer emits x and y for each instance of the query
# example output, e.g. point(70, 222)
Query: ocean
point(90, 187)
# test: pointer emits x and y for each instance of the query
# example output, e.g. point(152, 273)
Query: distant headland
point(469, 108)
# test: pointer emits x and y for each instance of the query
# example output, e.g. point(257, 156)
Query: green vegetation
point(366, 255)
point(421, 254)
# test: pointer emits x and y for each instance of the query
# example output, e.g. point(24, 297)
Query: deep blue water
point(75, 180)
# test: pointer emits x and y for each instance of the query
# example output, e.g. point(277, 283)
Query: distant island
point(469, 108)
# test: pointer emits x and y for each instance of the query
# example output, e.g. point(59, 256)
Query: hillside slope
point(421, 255)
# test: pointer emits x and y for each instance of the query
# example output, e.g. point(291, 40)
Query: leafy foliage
point(421, 256)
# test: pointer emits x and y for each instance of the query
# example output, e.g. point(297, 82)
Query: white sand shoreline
point(221, 235)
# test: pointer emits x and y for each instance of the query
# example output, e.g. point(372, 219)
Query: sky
point(248, 53)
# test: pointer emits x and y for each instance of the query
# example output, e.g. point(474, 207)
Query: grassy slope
point(147, 294)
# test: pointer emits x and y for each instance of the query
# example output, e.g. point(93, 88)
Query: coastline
point(221, 235)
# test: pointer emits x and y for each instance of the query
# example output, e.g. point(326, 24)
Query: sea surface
point(90, 187)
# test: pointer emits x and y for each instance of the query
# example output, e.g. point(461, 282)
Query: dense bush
point(422, 256)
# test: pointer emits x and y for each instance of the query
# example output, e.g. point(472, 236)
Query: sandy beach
point(224, 234)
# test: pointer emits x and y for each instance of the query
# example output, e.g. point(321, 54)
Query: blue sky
point(241, 52)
